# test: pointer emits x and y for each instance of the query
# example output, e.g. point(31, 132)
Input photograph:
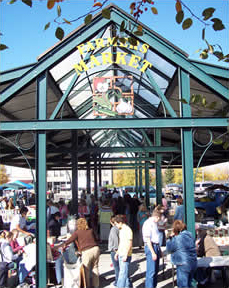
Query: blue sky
point(23, 27)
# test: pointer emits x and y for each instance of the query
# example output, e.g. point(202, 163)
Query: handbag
point(74, 275)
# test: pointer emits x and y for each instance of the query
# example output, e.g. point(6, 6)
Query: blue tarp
point(16, 185)
point(27, 186)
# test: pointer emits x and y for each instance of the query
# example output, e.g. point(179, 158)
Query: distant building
point(57, 180)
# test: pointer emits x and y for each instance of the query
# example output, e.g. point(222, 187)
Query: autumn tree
point(169, 175)
point(127, 178)
point(4, 177)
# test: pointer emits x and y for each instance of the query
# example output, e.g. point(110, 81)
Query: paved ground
point(138, 267)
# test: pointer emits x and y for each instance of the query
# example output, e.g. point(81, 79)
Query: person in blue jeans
point(113, 241)
point(151, 236)
point(179, 211)
point(124, 253)
point(181, 245)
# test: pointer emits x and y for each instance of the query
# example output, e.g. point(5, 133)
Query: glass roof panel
point(65, 66)
point(80, 98)
point(138, 114)
point(87, 115)
point(160, 63)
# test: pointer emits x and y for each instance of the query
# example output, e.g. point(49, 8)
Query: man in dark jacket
point(54, 225)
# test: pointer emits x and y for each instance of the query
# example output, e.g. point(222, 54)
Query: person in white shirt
point(19, 221)
point(116, 193)
point(7, 251)
point(151, 239)
point(124, 253)
point(51, 209)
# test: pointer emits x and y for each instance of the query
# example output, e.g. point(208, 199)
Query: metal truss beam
point(48, 125)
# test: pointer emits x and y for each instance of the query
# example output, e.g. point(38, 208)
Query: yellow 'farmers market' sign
point(119, 58)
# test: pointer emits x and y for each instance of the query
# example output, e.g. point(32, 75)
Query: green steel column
point(136, 179)
point(95, 180)
point(147, 181)
point(75, 182)
point(158, 157)
point(140, 176)
point(100, 172)
point(41, 237)
point(88, 175)
point(187, 153)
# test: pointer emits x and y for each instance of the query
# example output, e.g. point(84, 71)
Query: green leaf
point(58, 10)
point(203, 34)
point(106, 13)
point(204, 55)
point(51, 4)
point(122, 40)
point(66, 21)
point(180, 16)
point(88, 19)
point(178, 6)
point(28, 2)
point(211, 49)
point(138, 33)
point(140, 28)
point(212, 105)
point(218, 25)
point(3, 47)
point(187, 23)
point(217, 141)
point(123, 26)
point(132, 41)
point(12, 1)
point(208, 12)
point(47, 26)
point(59, 33)
point(226, 145)
point(154, 10)
point(219, 55)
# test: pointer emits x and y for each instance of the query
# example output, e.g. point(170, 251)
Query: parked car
point(152, 192)
point(199, 187)
point(214, 196)
point(172, 190)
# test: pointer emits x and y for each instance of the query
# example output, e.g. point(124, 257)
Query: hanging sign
point(109, 99)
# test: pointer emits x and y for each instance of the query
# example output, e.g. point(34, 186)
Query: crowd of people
point(121, 222)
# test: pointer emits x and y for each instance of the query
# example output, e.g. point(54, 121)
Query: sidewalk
point(137, 271)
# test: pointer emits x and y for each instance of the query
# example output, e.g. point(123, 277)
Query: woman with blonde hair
point(181, 245)
point(87, 244)
point(10, 204)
